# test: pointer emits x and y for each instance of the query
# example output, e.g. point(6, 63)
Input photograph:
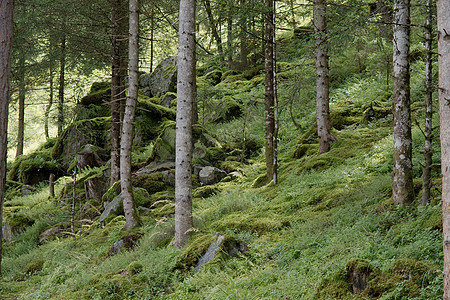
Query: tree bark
point(21, 120)
point(119, 29)
point(128, 119)
point(6, 33)
point(243, 36)
point(62, 65)
point(402, 185)
point(270, 79)
point(230, 38)
point(186, 90)
point(428, 150)
point(49, 106)
point(215, 33)
point(322, 77)
point(443, 24)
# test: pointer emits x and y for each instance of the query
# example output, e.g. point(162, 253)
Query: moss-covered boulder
point(162, 80)
point(34, 168)
point(214, 76)
point(150, 120)
point(77, 135)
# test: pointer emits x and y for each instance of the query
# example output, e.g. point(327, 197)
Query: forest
point(224, 149)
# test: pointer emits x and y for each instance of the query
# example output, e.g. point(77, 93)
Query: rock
point(48, 234)
point(358, 272)
point(197, 168)
point(7, 232)
point(214, 76)
point(88, 157)
point(162, 80)
point(169, 177)
point(155, 166)
point(26, 190)
point(210, 175)
point(229, 245)
point(167, 99)
point(164, 147)
point(127, 242)
point(111, 207)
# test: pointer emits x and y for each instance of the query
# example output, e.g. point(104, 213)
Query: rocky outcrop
point(162, 80)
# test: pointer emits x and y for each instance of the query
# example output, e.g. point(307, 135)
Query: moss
point(250, 73)
point(251, 221)
point(205, 191)
point(31, 269)
point(434, 220)
point(229, 73)
point(335, 287)
point(151, 119)
point(214, 77)
point(97, 97)
point(194, 250)
point(112, 192)
point(135, 267)
point(306, 150)
point(412, 270)
point(99, 85)
point(18, 222)
point(153, 183)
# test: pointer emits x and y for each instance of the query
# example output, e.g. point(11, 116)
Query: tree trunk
point(62, 64)
point(443, 24)
point(243, 37)
point(21, 120)
point(152, 37)
point(270, 90)
point(49, 106)
point(186, 89)
point(213, 25)
point(322, 77)
point(6, 32)
point(119, 29)
point(128, 119)
point(428, 151)
point(402, 185)
point(230, 38)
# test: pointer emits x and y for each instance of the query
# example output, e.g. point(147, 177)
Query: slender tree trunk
point(186, 90)
point(322, 77)
point(152, 36)
point(402, 185)
point(128, 119)
point(443, 24)
point(119, 29)
point(21, 120)
point(230, 38)
point(292, 7)
point(215, 33)
point(244, 37)
point(6, 32)
point(49, 106)
point(62, 64)
point(428, 151)
point(270, 90)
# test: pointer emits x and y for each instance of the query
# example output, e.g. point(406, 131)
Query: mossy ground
point(327, 212)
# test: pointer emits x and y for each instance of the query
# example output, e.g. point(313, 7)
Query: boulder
point(111, 207)
point(127, 242)
point(155, 166)
point(48, 234)
point(210, 175)
point(162, 80)
point(167, 99)
point(230, 246)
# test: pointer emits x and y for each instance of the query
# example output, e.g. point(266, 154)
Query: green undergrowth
point(330, 215)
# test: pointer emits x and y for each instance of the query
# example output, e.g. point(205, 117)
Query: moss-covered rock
point(152, 183)
point(135, 267)
point(78, 134)
point(34, 168)
point(214, 77)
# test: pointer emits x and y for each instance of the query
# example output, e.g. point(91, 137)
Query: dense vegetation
point(331, 216)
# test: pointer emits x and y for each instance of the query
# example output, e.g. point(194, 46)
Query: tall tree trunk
point(186, 90)
point(270, 90)
point(243, 36)
point(128, 119)
point(21, 120)
point(230, 49)
point(119, 30)
point(215, 33)
point(443, 24)
point(152, 37)
point(322, 77)
point(62, 65)
point(428, 151)
point(402, 185)
point(6, 32)
point(49, 106)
